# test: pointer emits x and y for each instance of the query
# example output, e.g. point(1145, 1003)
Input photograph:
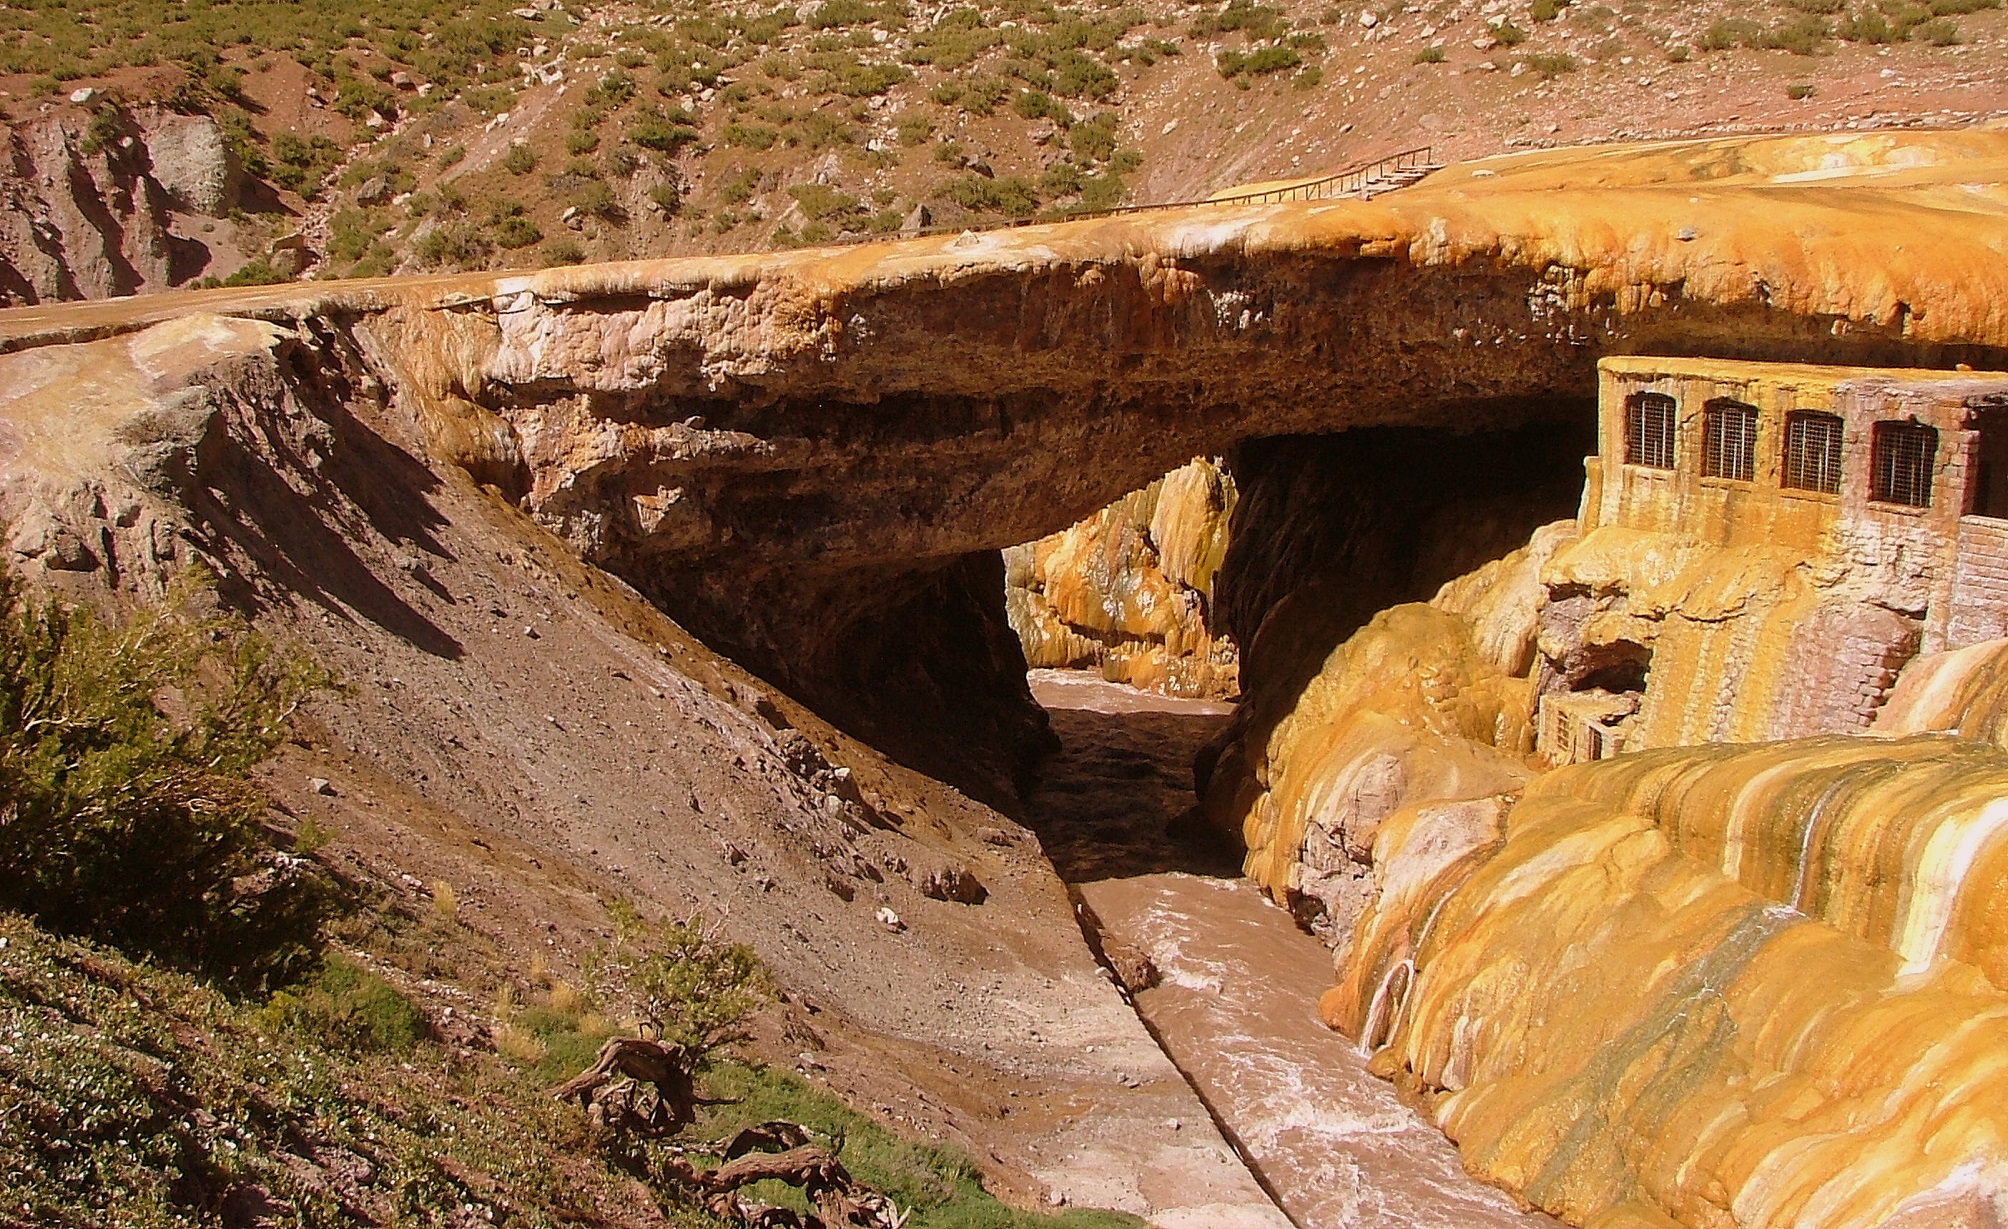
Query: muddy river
point(1235, 1007)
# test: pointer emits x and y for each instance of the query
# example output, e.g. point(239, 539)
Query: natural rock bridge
point(810, 458)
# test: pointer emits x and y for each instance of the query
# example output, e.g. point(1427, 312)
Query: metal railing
point(1397, 170)
point(1400, 169)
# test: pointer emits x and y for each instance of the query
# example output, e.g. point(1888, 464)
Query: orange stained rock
point(1963, 691)
point(1908, 228)
point(1407, 707)
point(1621, 1015)
point(1127, 590)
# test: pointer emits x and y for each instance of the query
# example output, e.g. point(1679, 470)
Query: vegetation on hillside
point(191, 1035)
point(124, 810)
point(700, 124)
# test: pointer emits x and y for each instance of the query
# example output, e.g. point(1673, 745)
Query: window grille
point(1729, 433)
point(1649, 430)
point(1813, 452)
point(1902, 458)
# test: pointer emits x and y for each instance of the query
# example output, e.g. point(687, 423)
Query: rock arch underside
point(810, 461)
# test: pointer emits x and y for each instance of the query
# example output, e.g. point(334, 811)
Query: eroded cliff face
point(527, 731)
point(1775, 964)
point(1127, 591)
point(110, 203)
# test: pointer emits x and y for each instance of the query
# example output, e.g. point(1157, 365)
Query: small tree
point(684, 984)
point(693, 992)
point(125, 812)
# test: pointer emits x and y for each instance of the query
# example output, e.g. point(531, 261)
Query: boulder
point(191, 162)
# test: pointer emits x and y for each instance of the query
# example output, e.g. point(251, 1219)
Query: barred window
point(1813, 451)
point(1729, 438)
point(1649, 430)
point(1901, 458)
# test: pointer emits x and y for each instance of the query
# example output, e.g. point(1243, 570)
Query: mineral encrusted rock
point(1126, 591)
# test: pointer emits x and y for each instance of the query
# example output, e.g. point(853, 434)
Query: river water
point(1239, 982)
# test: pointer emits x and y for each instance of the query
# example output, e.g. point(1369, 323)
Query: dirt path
point(1236, 1007)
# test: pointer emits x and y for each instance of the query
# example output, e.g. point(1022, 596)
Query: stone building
point(1795, 535)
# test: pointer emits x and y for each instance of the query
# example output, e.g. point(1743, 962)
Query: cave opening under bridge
point(1326, 530)
point(1320, 533)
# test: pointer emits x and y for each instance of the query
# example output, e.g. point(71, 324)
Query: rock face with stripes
point(1772, 984)
point(1127, 591)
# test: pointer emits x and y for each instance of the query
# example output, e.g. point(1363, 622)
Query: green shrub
point(660, 133)
point(1012, 197)
point(301, 165)
point(1256, 63)
point(1095, 139)
point(517, 232)
point(1803, 35)
point(1550, 66)
point(977, 95)
point(563, 252)
point(738, 188)
point(1256, 21)
point(124, 746)
point(1548, 10)
point(611, 90)
point(821, 130)
point(1429, 55)
point(356, 98)
point(346, 1007)
point(1730, 32)
point(941, 1184)
point(1799, 91)
point(1036, 104)
point(1939, 32)
point(689, 986)
point(835, 14)
point(257, 272)
point(106, 126)
point(915, 129)
point(751, 136)
point(520, 159)
point(1080, 76)
point(1060, 179)
point(459, 245)
point(856, 80)
point(1507, 34)
point(596, 200)
point(581, 141)
point(821, 202)
point(953, 42)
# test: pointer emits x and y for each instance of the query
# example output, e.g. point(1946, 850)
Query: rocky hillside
point(255, 143)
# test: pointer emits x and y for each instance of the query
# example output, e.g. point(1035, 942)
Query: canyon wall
point(1127, 591)
point(1778, 961)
